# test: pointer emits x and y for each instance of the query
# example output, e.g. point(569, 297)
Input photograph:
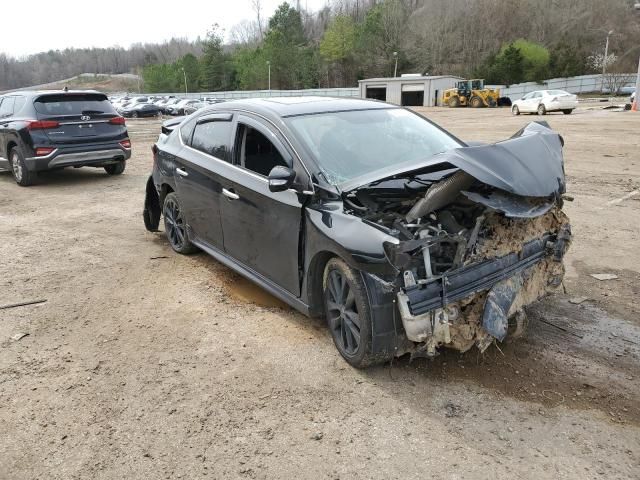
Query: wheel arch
point(315, 279)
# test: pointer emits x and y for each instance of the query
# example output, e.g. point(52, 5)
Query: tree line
point(503, 41)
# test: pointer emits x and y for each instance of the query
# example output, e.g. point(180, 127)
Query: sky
point(51, 25)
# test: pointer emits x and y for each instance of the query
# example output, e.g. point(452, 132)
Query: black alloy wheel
point(175, 226)
point(348, 313)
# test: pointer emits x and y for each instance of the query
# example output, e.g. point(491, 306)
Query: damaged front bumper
point(473, 304)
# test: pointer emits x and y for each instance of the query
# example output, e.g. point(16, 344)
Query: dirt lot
point(146, 364)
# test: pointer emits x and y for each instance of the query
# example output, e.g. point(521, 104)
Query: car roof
point(37, 93)
point(294, 106)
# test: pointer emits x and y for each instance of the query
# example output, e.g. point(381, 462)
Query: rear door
point(79, 118)
point(261, 228)
point(206, 153)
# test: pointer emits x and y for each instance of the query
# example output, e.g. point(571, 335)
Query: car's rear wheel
point(21, 175)
point(115, 168)
point(515, 110)
point(567, 112)
point(175, 225)
point(542, 110)
point(134, 115)
point(348, 313)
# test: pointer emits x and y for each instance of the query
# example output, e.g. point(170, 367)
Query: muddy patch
point(620, 297)
point(572, 355)
point(245, 291)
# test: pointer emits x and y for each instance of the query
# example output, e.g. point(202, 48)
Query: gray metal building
point(408, 90)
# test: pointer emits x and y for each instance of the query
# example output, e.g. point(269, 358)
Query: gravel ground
point(146, 364)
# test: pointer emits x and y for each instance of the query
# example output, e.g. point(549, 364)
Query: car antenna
point(65, 89)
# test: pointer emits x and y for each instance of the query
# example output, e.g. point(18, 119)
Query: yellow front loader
point(471, 93)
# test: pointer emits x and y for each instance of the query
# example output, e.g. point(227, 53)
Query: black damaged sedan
point(405, 238)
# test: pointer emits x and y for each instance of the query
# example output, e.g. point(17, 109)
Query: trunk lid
point(82, 117)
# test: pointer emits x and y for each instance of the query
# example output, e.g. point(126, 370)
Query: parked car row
point(147, 106)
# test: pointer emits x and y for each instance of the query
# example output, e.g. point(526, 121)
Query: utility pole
point(634, 107)
point(395, 70)
point(269, 66)
point(185, 81)
point(606, 55)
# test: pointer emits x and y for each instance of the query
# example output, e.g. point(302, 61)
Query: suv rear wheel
point(115, 168)
point(21, 175)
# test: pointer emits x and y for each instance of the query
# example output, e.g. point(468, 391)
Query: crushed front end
point(478, 239)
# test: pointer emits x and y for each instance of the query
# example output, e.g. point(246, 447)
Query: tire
point(115, 168)
point(454, 102)
point(515, 110)
point(175, 225)
point(348, 313)
point(21, 175)
point(542, 110)
point(567, 112)
point(134, 115)
point(476, 102)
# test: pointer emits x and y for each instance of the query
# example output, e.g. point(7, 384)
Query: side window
point(6, 109)
point(257, 153)
point(213, 138)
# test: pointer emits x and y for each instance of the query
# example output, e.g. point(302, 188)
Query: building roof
point(408, 79)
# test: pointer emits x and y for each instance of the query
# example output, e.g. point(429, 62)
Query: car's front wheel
point(21, 175)
point(348, 313)
point(515, 110)
point(175, 225)
point(115, 168)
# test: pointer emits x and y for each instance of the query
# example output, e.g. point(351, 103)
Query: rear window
point(73, 104)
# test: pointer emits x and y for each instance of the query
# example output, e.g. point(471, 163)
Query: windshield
point(348, 145)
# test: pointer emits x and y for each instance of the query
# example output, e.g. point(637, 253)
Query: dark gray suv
point(47, 130)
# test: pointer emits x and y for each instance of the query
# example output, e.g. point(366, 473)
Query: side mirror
point(281, 178)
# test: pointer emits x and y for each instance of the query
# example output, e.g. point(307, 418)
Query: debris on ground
point(21, 304)
point(604, 276)
point(578, 300)
point(19, 336)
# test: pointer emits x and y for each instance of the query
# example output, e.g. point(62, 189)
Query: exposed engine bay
point(475, 245)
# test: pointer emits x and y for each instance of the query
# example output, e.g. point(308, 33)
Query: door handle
point(181, 172)
point(230, 194)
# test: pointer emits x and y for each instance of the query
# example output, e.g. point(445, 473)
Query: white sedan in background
point(545, 101)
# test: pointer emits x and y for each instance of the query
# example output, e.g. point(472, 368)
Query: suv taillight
point(43, 151)
point(41, 124)
point(116, 121)
point(126, 143)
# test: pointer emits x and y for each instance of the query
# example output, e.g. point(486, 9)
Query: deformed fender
point(152, 210)
point(328, 228)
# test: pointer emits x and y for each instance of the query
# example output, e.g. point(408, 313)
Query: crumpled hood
point(529, 164)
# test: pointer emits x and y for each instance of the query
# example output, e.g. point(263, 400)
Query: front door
point(261, 228)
